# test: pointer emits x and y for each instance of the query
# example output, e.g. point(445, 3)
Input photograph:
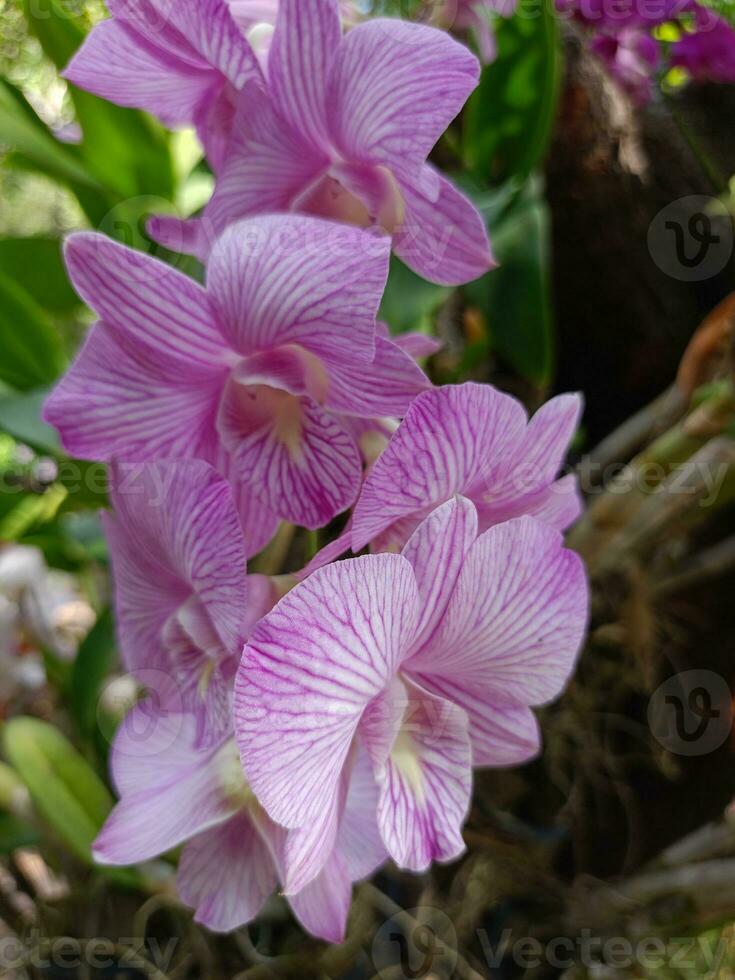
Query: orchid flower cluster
point(303, 734)
point(638, 40)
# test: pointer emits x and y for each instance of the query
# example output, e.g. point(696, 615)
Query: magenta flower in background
point(181, 60)
point(622, 35)
point(174, 791)
point(343, 131)
point(184, 603)
point(477, 16)
point(430, 659)
point(706, 51)
point(253, 373)
point(631, 57)
point(474, 440)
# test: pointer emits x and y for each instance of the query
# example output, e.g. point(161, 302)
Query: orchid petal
point(436, 551)
point(308, 849)
point(515, 621)
point(152, 745)
point(117, 400)
point(523, 485)
point(208, 25)
point(115, 63)
point(186, 235)
point(559, 505)
point(308, 671)
point(386, 387)
point(426, 784)
point(177, 522)
point(395, 88)
point(358, 840)
point(502, 734)
point(295, 457)
point(445, 239)
point(448, 437)
point(146, 300)
point(183, 803)
point(258, 522)
point(226, 874)
point(306, 39)
point(268, 166)
point(299, 280)
point(417, 344)
point(322, 906)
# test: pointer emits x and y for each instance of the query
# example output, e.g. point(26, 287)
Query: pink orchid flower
point(174, 791)
point(474, 440)
point(184, 603)
point(259, 368)
point(431, 659)
point(184, 61)
point(343, 130)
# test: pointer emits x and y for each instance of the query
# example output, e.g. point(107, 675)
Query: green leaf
point(22, 130)
point(20, 415)
point(85, 483)
point(94, 660)
point(126, 150)
point(15, 833)
point(37, 265)
point(65, 790)
point(509, 117)
point(514, 298)
point(409, 300)
point(31, 510)
point(32, 353)
point(725, 8)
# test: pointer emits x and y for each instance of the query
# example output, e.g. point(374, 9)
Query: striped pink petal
point(176, 522)
point(305, 43)
point(120, 398)
point(185, 801)
point(295, 457)
point(146, 300)
point(443, 237)
point(322, 906)
point(514, 624)
point(269, 165)
point(226, 874)
point(170, 59)
point(426, 783)
point(307, 850)
point(308, 671)
point(116, 64)
point(524, 483)
point(448, 437)
point(298, 280)
point(358, 840)
point(558, 505)
point(501, 733)
point(385, 387)
point(394, 89)
point(436, 551)
point(150, 742)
